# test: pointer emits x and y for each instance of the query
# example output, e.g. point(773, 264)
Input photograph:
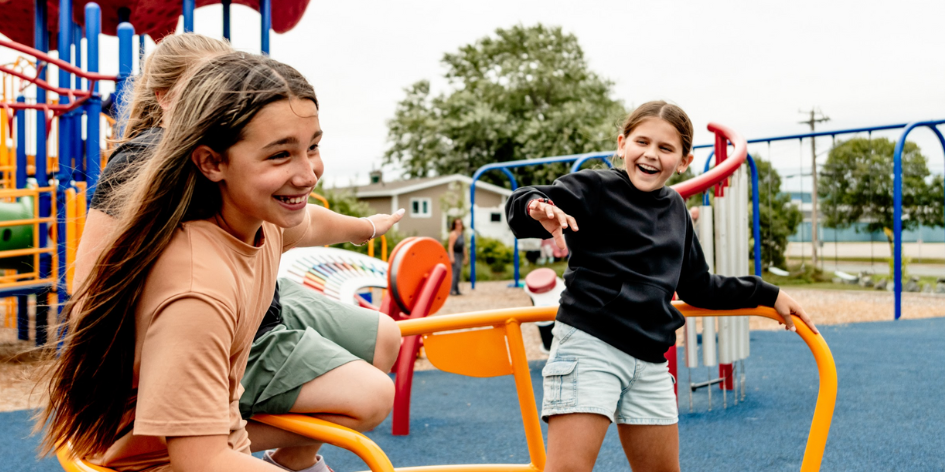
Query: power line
point(812, 121)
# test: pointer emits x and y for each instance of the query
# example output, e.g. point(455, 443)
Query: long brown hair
point(667, 111)
point(90, 386)
point(162, 69)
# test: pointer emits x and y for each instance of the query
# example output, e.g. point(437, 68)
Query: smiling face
point(269, 173)
point(652, 152)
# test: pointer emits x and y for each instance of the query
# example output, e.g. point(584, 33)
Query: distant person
point(459, 255)
point(615, 320)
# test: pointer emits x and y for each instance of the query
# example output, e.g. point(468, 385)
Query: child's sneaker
point(319, 466)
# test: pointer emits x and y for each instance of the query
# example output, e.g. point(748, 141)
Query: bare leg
point(388, 343)
point(356, 395)
point(651, 448)
point(574, 441)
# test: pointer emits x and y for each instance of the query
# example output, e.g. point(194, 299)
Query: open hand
point(383, 223)
point(553, 219)
point(787, 306)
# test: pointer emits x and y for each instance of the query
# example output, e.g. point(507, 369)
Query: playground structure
point(496, 348)
point(907, 128)
point(416, 283)
point(489, 343)
point(579, 159)
point(44, 194)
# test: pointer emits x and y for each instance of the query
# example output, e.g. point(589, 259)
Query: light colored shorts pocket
point(560, 384)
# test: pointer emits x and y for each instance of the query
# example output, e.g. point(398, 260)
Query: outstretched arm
point(323, 226)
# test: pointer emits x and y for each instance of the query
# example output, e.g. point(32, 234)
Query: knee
point(387, 345)
point(379, 404)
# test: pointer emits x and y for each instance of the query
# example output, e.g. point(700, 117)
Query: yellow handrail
point(510, 320)
point(333, 434)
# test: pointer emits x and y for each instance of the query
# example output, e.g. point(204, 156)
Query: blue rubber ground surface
point(889, 412)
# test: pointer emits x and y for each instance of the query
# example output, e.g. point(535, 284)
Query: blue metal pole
point(511, 177)
point(93, 28)
point(897, 218)
point(897, 202)
point(126, 34)
point(76, 120)
point(708, 165)
point(66, 144)
point(21, 145)
point(472, 237)
point(77, 61)
point(141, 51)
point(593, 155)
point(188, 7)
point(756, 216)
point(226, 19)
point(41, 43)
point(265, 10)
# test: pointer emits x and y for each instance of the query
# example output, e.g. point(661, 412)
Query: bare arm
point(211, 454)
point(98, 227)
point(449, 247)
point(327, 227)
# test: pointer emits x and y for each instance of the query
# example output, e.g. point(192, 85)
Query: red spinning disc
point(410, 265)
point(541, 280)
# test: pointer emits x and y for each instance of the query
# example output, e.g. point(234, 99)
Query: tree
point(857, 186)
point(524, 93)
point(777, 216)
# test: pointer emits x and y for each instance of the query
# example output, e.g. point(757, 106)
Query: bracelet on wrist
point(373, 232)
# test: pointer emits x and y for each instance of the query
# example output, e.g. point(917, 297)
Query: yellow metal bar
point(80, 209)
point(25, 252)
point(526, 396)
point(27, 283)
point(71, 240)
point(472, 468)
point(24, 192)
point(320, 198)
point(330, 433)
point(16, 276)
point(384, 248)
point(25, 222)
point(827, 393)
point(370, 248)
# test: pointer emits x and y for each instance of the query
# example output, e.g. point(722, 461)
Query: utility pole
point(812, 121)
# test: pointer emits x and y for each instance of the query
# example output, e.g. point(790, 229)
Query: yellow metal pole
point(71, 239)
point(80, 211)
point(526, 396)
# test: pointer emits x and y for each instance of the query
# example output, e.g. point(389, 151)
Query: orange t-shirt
point(201, 305)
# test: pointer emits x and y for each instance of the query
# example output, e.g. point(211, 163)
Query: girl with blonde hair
point(162, 327)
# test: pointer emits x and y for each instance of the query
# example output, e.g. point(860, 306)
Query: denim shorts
point(587, 375)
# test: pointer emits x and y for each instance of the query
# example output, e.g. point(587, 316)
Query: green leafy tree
point(525, 93)
point(856, 184)
point(778, 218)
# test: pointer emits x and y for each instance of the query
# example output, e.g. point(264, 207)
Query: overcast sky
point(751, 65)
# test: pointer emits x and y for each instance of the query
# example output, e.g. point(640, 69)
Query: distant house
point(431, 201)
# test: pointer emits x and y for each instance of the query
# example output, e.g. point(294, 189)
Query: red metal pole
point(409, 350)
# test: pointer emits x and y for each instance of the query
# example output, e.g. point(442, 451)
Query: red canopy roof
point(157, 18)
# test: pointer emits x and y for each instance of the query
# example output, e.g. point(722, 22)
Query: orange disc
point(410, 265)
point(390, 257)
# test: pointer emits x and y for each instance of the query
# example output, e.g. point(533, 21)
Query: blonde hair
point(162, 70)
point(90, 387)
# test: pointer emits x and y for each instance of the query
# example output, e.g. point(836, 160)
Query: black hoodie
point(632, 251)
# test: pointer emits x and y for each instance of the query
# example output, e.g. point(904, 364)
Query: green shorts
point(317, 334)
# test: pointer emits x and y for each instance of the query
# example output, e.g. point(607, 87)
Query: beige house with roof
point(431, 201)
